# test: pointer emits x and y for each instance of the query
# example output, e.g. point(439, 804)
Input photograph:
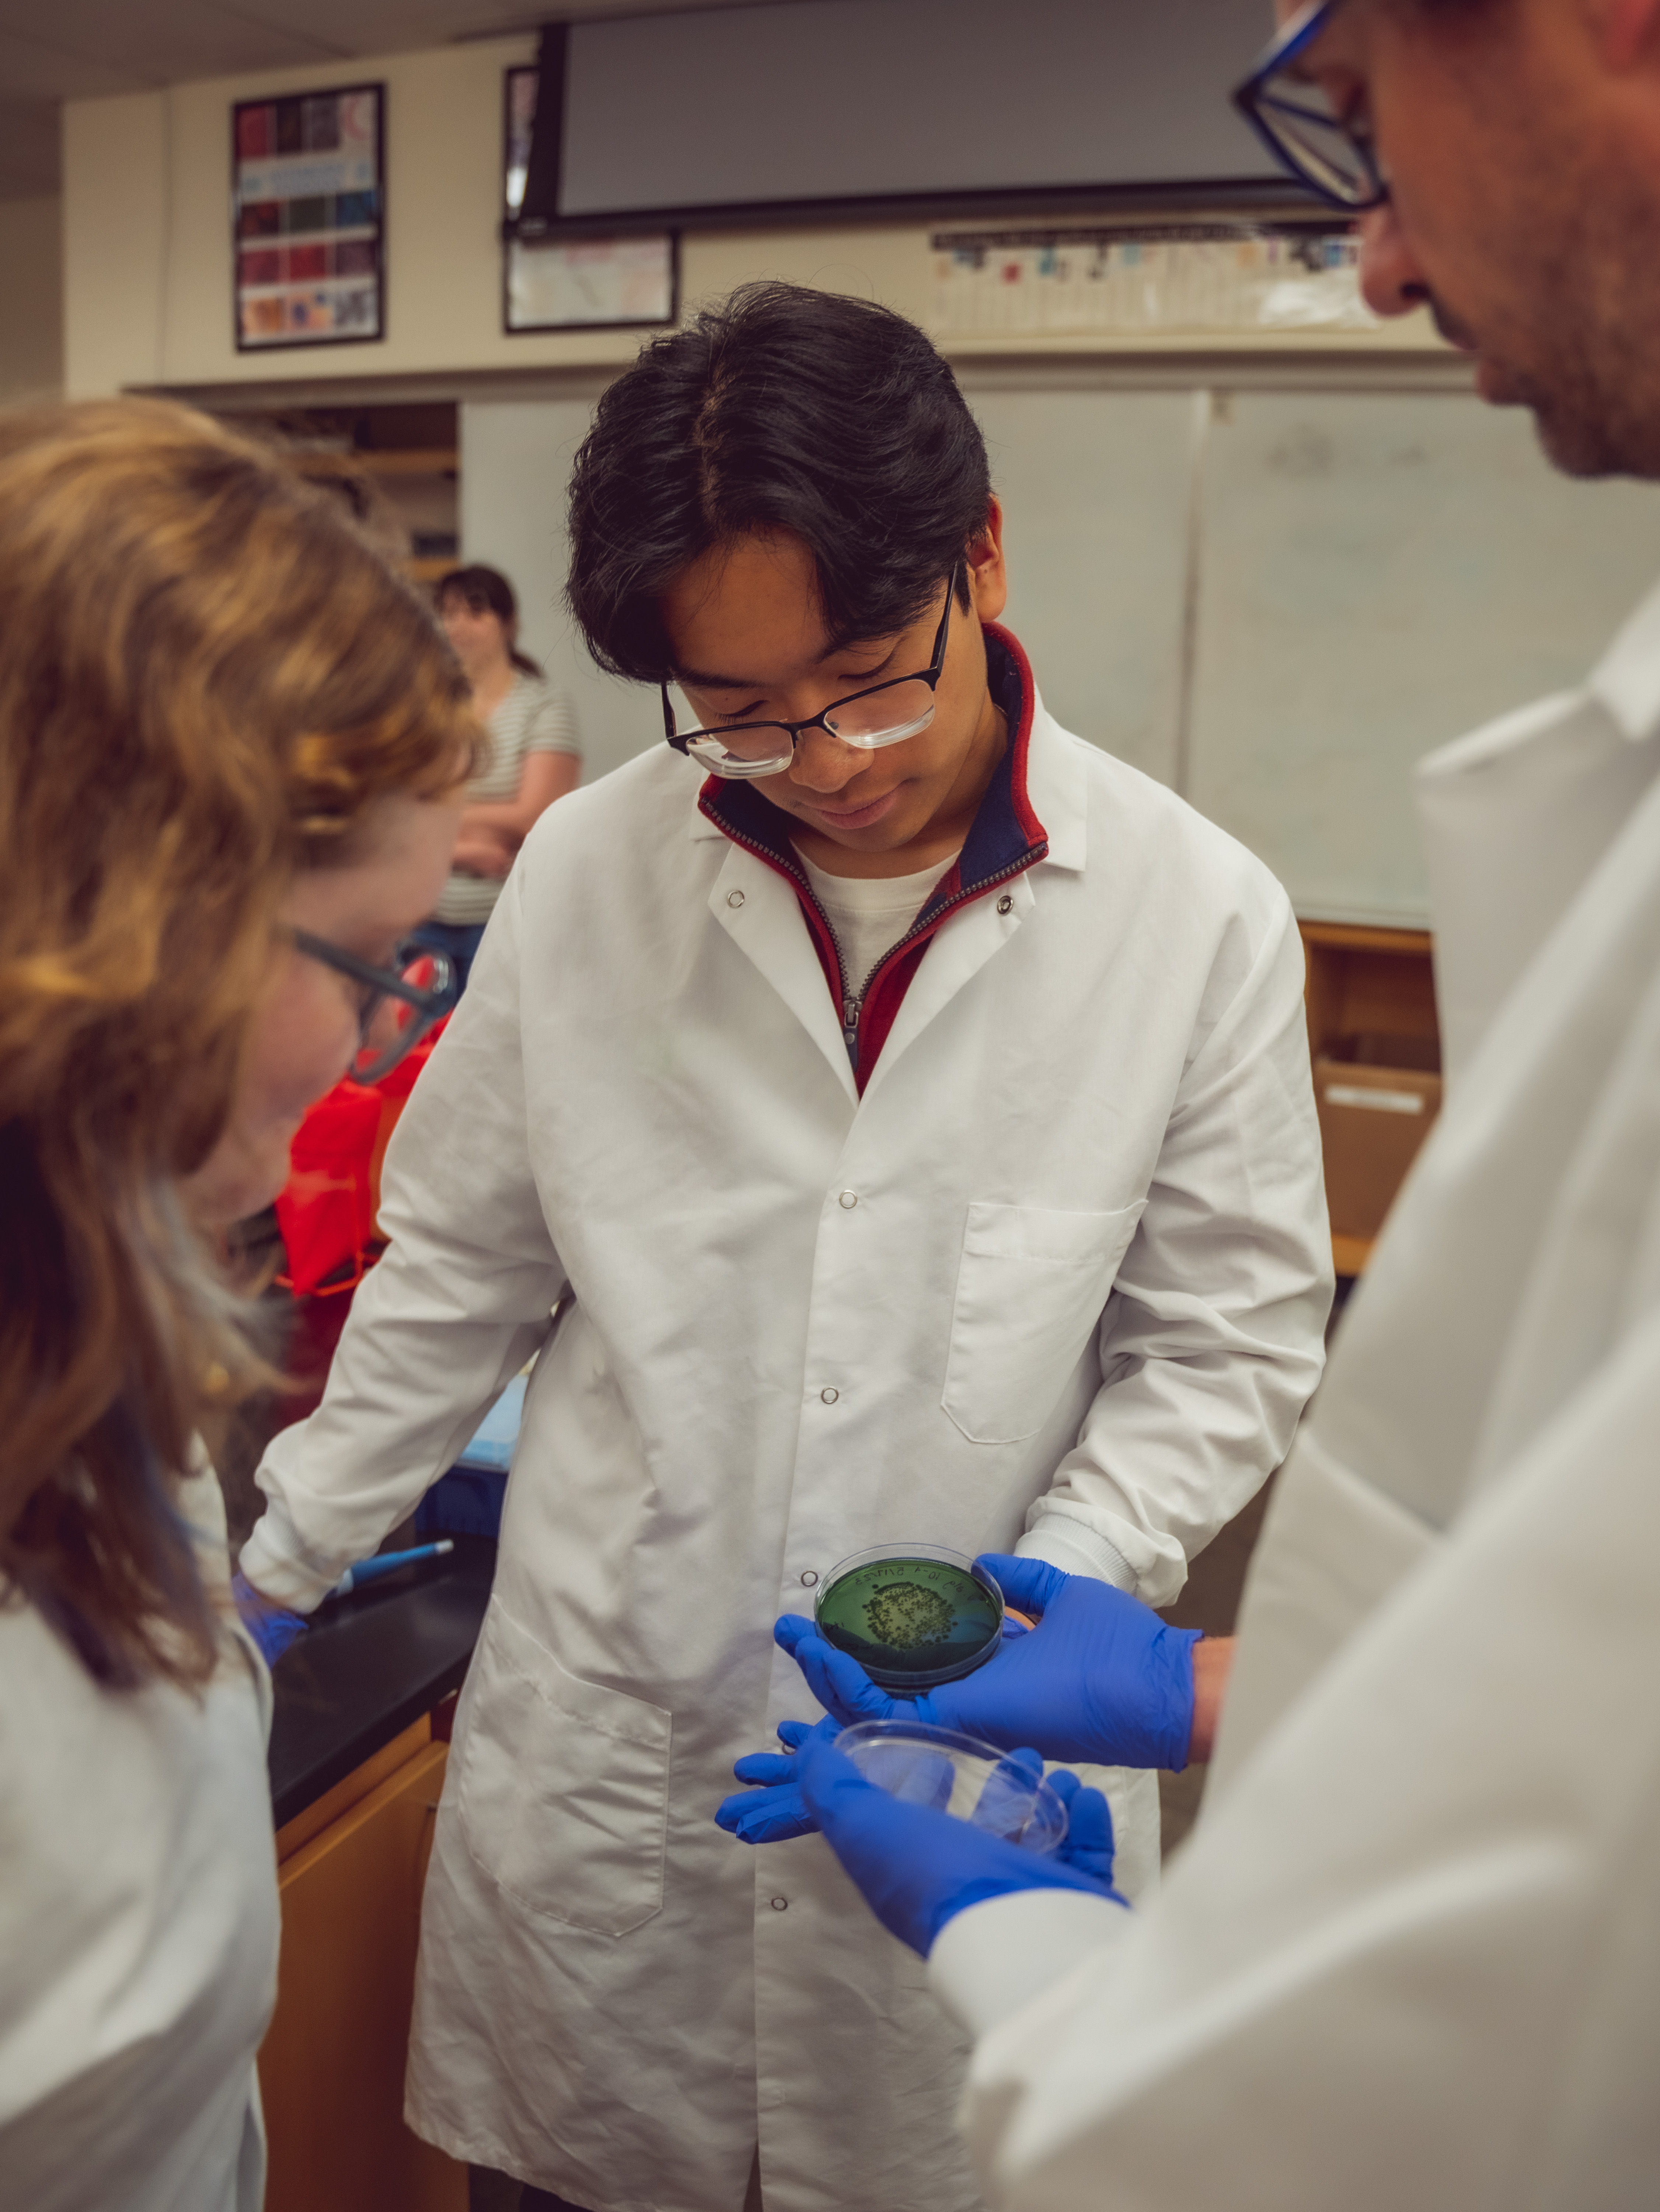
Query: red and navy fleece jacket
point(1005, 838)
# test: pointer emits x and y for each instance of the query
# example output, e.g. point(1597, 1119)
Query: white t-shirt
point(138, 1923)
point(870, 913)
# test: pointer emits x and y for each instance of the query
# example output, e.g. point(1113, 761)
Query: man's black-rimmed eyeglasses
point(398, 1006)
point(880, 716)
point(1333, 154)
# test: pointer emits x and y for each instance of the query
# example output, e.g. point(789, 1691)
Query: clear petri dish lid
point(912, 1614)
point(1001, 1792)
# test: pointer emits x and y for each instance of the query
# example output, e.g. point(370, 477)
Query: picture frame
point(308, 219)
point(629, 280)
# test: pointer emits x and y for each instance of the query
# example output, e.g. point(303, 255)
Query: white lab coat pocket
point(1031, 1285)
point(563, 1792)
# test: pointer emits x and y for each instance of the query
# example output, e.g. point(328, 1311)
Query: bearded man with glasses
point(907, 1106)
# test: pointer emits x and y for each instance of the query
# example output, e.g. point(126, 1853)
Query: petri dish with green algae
point(911, 1614)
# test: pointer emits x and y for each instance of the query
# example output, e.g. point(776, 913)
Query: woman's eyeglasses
point(398, 1006)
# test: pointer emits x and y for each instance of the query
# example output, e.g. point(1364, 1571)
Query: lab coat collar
point(1006, 835)
point(1005, 840)
point(1627, 679)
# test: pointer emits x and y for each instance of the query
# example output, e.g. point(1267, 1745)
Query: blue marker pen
point(387, 1563)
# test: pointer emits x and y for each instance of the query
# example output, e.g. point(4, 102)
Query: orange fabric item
point(329, 1210)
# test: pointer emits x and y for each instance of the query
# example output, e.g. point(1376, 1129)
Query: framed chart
point(584, 283)
point(308, 207)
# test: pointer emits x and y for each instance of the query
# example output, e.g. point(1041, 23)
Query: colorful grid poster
point(309, 202)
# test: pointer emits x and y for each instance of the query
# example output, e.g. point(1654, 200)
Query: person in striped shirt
point(535, 757)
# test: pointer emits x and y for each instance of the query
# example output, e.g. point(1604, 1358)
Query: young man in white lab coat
point(1411, 1956)
point(909, 1106)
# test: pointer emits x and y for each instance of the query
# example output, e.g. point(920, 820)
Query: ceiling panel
point(153, 42)
point(385, 27)
point(83, 49)
point(32, 69)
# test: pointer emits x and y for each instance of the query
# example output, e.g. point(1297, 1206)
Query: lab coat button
point(808, 1579)
point(735, 898)
point(829, 1396)
point(780, 1904)
point(1005, 904)
point(849, 1199)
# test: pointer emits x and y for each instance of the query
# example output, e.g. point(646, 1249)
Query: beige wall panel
point(891, 264)
point(115, 232)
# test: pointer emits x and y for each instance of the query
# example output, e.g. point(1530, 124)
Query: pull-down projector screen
point(927, 107)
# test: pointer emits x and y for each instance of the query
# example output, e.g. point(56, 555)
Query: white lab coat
point(138, 1923)
point(1411, 1956)
point(1062, 1270)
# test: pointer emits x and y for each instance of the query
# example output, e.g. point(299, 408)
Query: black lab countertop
point(371, 1664)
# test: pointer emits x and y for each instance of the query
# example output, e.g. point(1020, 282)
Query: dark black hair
point(783, 408)
point(487, 592)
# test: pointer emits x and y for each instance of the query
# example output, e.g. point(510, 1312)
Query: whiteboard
point(1379, 572)
point(1094, 491)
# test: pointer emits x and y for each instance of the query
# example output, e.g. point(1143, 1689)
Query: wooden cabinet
point(1375, 1043)
point(350, 1870)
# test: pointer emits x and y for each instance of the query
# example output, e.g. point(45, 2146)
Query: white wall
point(148, 257)
point(32, 291)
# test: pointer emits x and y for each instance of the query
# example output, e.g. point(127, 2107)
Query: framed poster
point(308, 207)
point(575, 283)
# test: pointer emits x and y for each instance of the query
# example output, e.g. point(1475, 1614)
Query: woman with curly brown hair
point(232, 746)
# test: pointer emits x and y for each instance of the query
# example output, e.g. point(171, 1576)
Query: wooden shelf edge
point(391, 1758)
point(1365, 937)
point(428, 1765)
point(1350, 1255)
point(441, 462)
point(425, 571)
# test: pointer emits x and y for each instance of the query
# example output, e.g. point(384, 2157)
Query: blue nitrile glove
point(272, 1626)
point(1088, 1846)
point(917, 1868)
point(773, 1813)
point(1101, 1679)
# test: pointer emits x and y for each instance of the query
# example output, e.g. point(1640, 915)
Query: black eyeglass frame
point(682, 740)
point(431, 1006)
point(1254, 99)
